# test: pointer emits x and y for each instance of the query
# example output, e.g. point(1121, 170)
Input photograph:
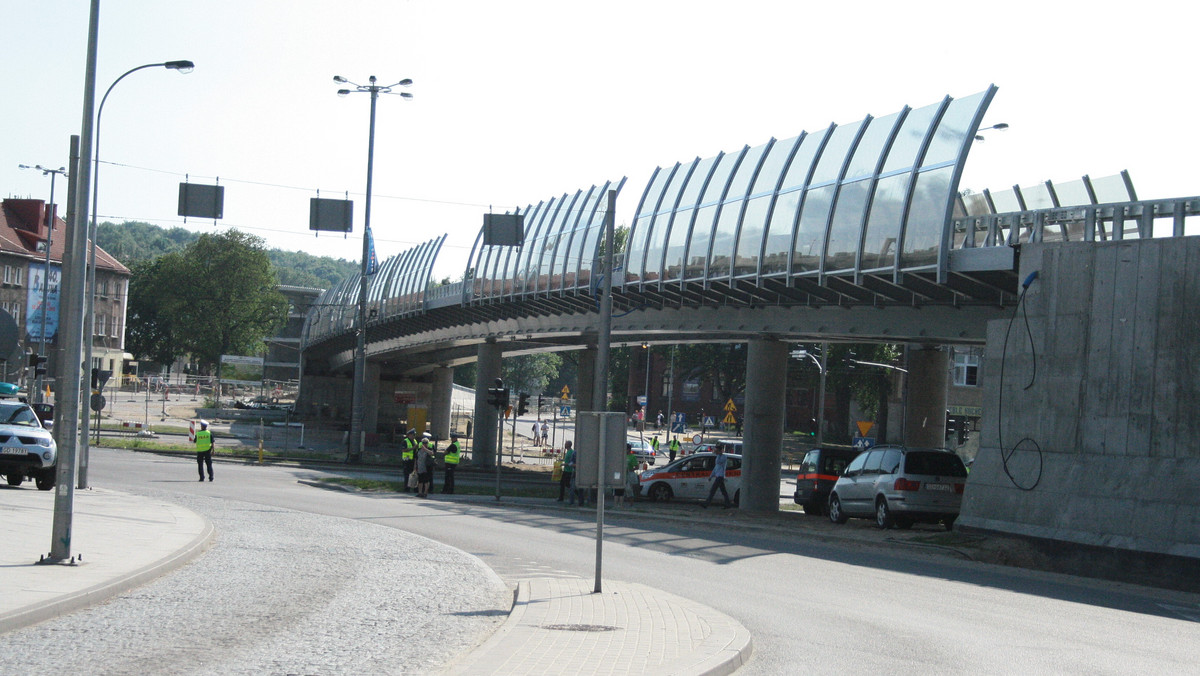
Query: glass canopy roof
point(876, 196)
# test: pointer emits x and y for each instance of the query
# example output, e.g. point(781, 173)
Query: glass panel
point(846, 229)
point(722, 244)
point(681, 223)
point(927, 218)
point(976, 204)
point(797, 173)
point(673, 262)
point(745, 173)
point(548, 241)
point(697, 252)
point(810, 236)
point(536, 221)
point(768, 176)
point(636, 249)
point(779, 234)
point(903, 154)
point(561, 265)
point(701, 235)
point(1037, 197)
point(591, 243)
point(871, 147)
point(829, 168)
point(1005, 201)
point(750, 239)
point(952, 130)
point(883, 226)
point(1072, 194)
point(1111, 189)
point(661, 226)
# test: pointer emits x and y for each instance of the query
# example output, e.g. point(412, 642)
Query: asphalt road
point(812, 605)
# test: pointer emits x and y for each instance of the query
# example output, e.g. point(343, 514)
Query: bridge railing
point(1095, 223)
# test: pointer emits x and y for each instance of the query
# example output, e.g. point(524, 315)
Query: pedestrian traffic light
point(522, 404)
point(38, 363)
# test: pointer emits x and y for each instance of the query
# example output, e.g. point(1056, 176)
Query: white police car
point(688, 478)
point(27, 449)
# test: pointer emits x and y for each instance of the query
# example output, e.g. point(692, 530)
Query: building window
point(12, 275)
point(113, 328)
point(101, 324)
point(966, 368)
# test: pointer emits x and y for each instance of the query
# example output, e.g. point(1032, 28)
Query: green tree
point(149, 332)
point(722, 364)
point(531, 373)
point(217, 296)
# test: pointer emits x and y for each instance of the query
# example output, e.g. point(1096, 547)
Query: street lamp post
point(181, 66)
point(646, 406)
point(38, 379)
point(357, 406)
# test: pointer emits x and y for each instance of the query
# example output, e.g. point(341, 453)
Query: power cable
point(1006, 454)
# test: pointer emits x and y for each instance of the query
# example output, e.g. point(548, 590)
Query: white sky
point(519, 101)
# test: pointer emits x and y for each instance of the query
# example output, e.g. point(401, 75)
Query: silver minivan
point(899, 486)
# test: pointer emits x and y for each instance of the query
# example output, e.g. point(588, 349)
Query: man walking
point(204, 450)
point(718, 479)
point(451, 460)
point(673, 448)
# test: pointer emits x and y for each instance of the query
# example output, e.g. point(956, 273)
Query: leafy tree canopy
point(215, 296)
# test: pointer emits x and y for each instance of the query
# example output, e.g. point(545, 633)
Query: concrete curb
point(67, 603)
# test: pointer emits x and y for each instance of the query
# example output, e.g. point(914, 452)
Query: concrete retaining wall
point(1103, 448)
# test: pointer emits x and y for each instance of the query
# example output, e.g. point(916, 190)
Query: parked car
point(899, 486)
point(728, 445)
point(819, 471)
point(687, 478)
point(27, 450)
point(644, 451)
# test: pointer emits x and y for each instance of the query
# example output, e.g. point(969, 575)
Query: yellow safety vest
point(203, 441)
point(410, 446)
point(452, 454)
point(675, 444)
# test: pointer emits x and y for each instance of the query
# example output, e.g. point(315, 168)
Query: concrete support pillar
point(483, 446)
point(925, 414)
point(371, 398)
point(762, 435)
point(441, 399)
point(587, 378)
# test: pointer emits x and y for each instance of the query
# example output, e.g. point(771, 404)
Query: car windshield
point(934, 463)
point(18, 414)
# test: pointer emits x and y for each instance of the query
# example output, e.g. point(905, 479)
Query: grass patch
point(459, 489)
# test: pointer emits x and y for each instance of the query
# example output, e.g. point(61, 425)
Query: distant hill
point(134, 241)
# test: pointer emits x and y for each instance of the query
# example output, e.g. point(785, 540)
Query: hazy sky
point(520, 101)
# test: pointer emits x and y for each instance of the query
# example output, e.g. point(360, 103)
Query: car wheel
point(835, 510)
point(661, 493)
point(45, 481)
point(948, 522)
point(883, 515)
point(15, 479)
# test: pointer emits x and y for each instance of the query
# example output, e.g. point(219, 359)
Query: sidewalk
point(121, 541)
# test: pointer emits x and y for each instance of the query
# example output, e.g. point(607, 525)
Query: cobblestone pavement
point(269, 598)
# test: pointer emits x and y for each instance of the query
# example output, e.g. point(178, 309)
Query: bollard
point(260, 451)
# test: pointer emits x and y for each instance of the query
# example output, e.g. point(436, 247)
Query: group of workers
point(418, 457)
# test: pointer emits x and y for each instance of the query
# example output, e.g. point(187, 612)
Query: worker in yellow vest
point(451, 461)
point(408, 456)
point(204, 450)
point(673, 448)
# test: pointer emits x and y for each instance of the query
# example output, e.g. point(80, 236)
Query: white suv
point(27, 450)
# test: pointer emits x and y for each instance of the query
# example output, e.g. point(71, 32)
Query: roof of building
point(23, 231)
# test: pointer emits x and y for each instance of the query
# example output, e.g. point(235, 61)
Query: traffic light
point(522, 404)
point(850, 360)
point(38, 363)
point(498, 397)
